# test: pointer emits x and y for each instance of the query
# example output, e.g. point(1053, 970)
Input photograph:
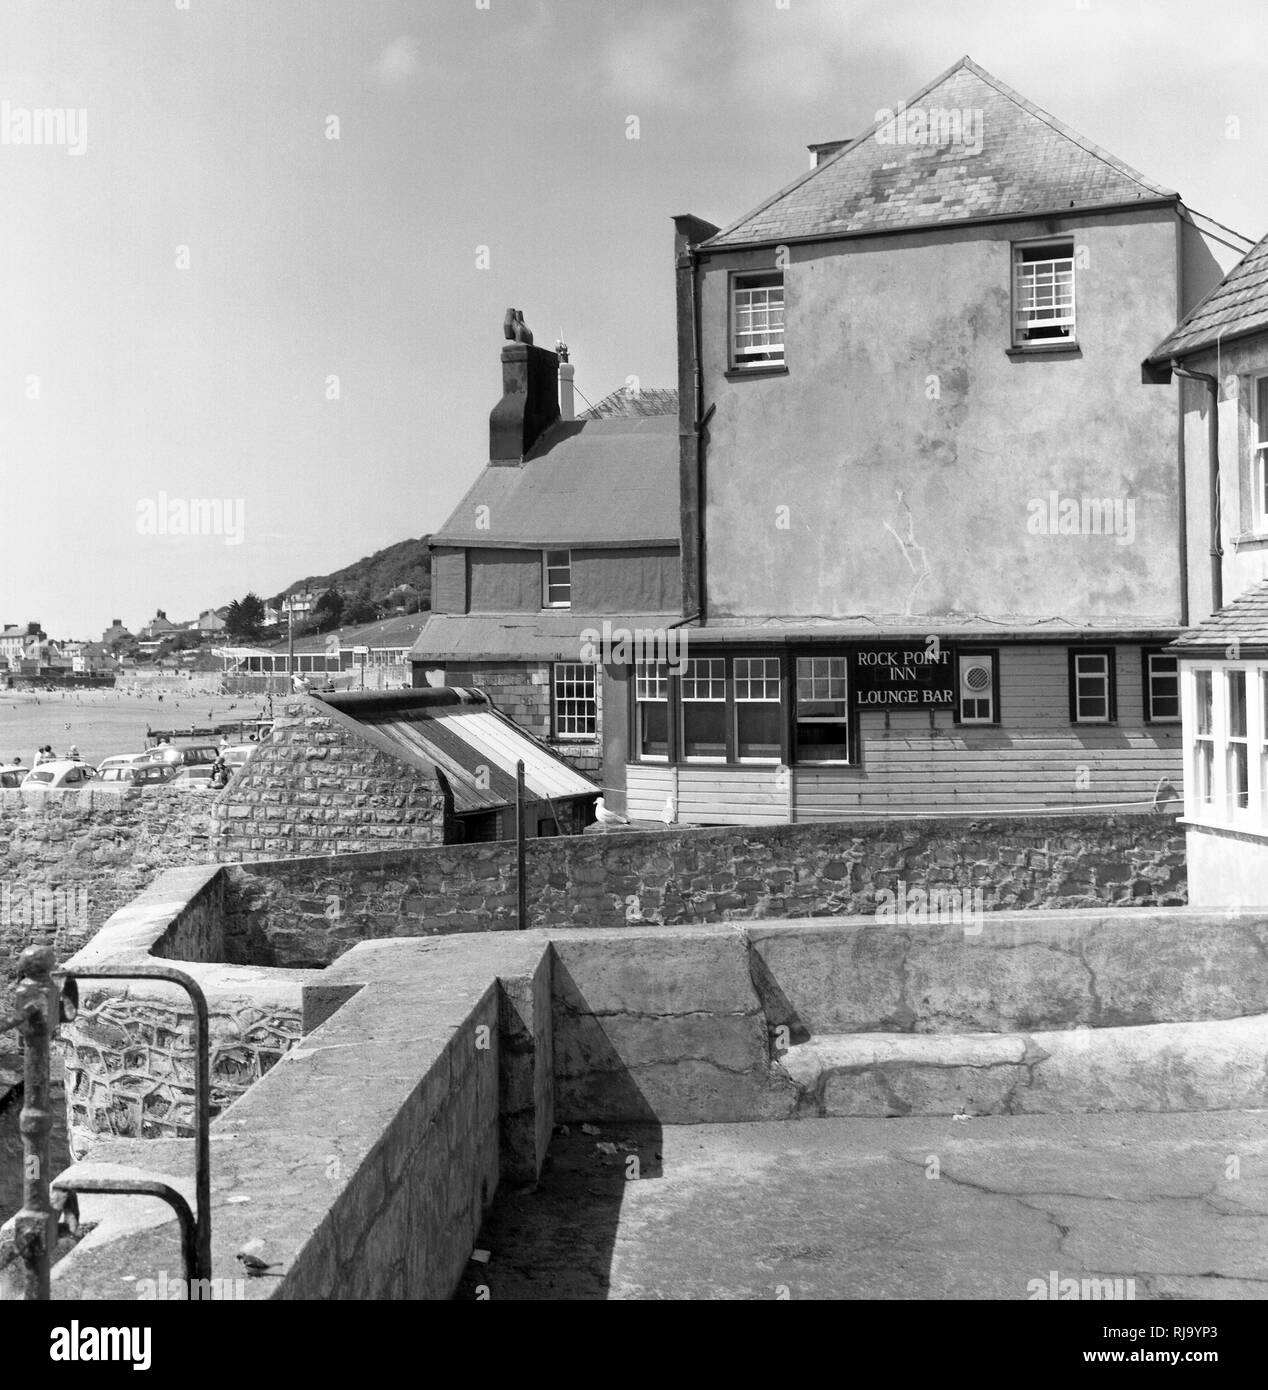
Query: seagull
point(299, 685)
point(254, 1266)
point(606, 817)
point(670, 814)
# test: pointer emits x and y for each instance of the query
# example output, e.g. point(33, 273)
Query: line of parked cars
point(190, 769)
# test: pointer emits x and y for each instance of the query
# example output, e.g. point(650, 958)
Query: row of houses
point(967, 447)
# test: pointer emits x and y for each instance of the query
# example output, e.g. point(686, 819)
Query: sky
point(266, 256)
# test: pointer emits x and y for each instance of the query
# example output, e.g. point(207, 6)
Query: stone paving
point(930, 1208)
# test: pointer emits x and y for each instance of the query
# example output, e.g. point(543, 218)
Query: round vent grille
point(977, 678)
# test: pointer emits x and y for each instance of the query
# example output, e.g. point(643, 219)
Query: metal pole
point(35, 1226)
point(521, 906)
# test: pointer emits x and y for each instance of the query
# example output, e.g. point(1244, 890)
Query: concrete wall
point(906, 443)
point(1226, 868)
point(129, 1053)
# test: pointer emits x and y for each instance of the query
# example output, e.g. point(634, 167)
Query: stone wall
point(324, 784)
point(311, 910)
point(68, 860)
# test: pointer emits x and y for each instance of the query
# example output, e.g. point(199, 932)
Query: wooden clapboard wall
point(1035, 758)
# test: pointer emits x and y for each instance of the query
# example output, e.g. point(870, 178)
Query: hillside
point(373, 576)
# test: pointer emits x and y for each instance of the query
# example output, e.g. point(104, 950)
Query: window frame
point(1210, 801)
point(1259, 453)
point(1020, 341)
point(849, 722)
point(680, 718)
point(735, 701)
point(1147, 655)
point(735, 283)
point(556, 701)
point(1111, 691)
point(547, 601)
point(667, 758)
point(957, 708)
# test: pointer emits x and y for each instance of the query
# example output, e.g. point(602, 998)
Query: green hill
point(373, 577)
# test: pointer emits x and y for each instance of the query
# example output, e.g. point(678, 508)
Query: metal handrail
point(195, 1227)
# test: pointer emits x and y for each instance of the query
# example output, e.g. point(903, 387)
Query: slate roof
point(1029, 163)
point(627, 403)
point(591, 482)
point(1245, 620)
point(1238, 305)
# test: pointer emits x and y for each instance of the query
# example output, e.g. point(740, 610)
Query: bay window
point(703, 705)
point(822, 717)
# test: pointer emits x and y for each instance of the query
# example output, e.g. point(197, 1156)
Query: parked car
point(236, 754)
point(58, 774)
point(11, 774)
point(117, 761)
point(152, 774)
point(194, 779)
point(193, 756)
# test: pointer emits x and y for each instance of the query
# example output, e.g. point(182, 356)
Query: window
point(823, 711)
point(977, 687)
point(703, 687)
point(1259, 434)
point(1092, 687)
point(1236, 751)
point(1263, 746)
point(757, 320)
point(757, 708)
point(1043, 293)
point(1162, 688)
point(557, 579)
point(576, 706)
point(651, 711)
point(1204, 737)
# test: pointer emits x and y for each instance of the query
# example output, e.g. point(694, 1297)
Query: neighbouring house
point(931, 517)
point(565, 541)
point(209, 620)
point(1218, 357)
point(95, 659)
point(157, 628)
point(13, 640)
point(115, 633)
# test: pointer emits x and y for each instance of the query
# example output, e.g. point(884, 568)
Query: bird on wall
point(606, 817)
point(670, 814)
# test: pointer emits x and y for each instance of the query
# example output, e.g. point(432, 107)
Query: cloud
point(399, 63)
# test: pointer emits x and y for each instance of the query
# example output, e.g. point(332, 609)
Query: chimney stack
point(530, 395)
point(567, 404)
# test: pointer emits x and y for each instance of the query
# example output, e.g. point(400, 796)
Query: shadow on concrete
point(556, 1240)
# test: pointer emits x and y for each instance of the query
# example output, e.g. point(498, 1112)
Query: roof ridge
point(964, 63)
point(1067, 131)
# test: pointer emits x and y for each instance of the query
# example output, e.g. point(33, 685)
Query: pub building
point(933, 545)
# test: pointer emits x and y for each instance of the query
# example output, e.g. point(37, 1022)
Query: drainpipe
point(698, 422)
point(1213, 458)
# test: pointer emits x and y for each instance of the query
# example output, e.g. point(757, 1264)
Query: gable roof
point(1238, 305)
point(586, 482)
point(1029, 163)
point(1244, 621)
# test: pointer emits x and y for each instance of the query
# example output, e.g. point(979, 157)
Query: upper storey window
point(757, 319)
point(1043, 293)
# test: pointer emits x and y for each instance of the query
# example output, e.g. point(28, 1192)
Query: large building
point(1218, 357)
point(568, 537)
point(933, 538)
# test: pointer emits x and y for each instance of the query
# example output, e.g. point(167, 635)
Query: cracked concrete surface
point(853, 1209)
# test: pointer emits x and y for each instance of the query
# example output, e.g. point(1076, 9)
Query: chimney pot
point(567, 404)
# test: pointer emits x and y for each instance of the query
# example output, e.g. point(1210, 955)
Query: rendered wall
point(1227, 868)
point(906, 444)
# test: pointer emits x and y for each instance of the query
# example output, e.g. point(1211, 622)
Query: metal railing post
point(35, 1226)
point(521, 891)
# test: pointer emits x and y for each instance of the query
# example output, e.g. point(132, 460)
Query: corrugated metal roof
point(1238, 305)
point(474, 746)
point(545, 636)
point(585, 482)
point(1029, 162)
